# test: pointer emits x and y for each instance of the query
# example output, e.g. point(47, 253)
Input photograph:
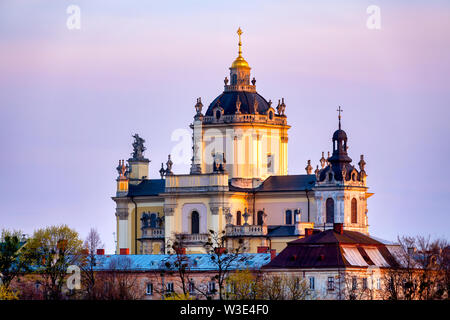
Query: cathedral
point(238, 182)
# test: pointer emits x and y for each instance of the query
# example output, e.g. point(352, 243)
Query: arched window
point(354, 211)
point(218, 114)
point(330, 210)
point(153, 219)
point(288, 217)
point(260, 218)
point(238, 218)
point(195, 222)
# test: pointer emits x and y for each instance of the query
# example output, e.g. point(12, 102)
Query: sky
point(70, 99)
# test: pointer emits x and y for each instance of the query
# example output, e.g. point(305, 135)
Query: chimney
point(124, 251)
point(262, 249)
point(308, 232)
point(273, 254)
point(100, 252)
point(338, 228)
point(220, 250)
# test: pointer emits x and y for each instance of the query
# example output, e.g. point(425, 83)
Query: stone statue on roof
point(138, 148)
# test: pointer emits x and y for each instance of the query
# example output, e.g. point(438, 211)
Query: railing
point(153, 233)
point(196, 183)
point(245, 230)
point(258, 118)
point(192, 238)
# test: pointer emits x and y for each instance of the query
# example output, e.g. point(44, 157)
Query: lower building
point(339, 264)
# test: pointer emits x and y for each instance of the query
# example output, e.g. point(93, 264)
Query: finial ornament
point(122, 169)
point(162, 171)
point(362, 163)
point(323, 161)
point(169, 164)
point(339, 110)
point(309, 168)
point(239, 32)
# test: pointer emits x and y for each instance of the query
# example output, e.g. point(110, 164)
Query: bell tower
point(340, 189)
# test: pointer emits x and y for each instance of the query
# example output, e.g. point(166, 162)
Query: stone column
point(123, 236)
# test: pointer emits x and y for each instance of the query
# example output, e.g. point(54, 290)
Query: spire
point(240, 61)
point(239, 32)
point(339, 110)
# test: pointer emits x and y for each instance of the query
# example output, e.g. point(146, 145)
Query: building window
point(218, 114)
point(270, 166)
point(169, 287)
point(312, 283)
point(153, 219)
point(364, 283)
point(288, 217)
point(238, 218)
point(149, 289)
point(211, 287)
point(354, 211)
point(378, 284)
point(354, 283)
point(330, 210)
point(191, 287)
point(260, 218)
point(195, 222)
point(270, 115)
point(330, 284)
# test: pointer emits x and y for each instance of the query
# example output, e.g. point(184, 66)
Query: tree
point(178, 262)
point(422, 270)
point(52, 250)
point(89, 261)
point(243, 285)
point(12, 260)
point(117, 282)
point(222, 258)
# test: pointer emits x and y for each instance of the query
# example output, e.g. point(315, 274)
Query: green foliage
point(7, 294)
point(12, 260)
point(52, 250)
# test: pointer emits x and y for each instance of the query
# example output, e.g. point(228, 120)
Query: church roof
point(156, 262)
point(300, 182)
point(227, 100)
point(331, 249)
point(281, 231)
point(148, 187)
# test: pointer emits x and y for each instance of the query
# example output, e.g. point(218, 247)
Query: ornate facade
point(238, 181)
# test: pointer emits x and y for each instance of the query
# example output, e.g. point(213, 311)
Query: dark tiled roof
point(247, 99)
point(300, 182)
point(327, 249)
point(280, 231)
point(149, 187)
point(330, 236)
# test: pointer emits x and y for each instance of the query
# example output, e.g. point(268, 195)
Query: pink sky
point(70, 100)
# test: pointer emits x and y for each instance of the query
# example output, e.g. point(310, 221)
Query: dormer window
point(218, 114)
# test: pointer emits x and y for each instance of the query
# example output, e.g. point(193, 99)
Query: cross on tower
point(239, 32)
point(339, 110)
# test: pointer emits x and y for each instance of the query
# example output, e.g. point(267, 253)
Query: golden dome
point(240, 61)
